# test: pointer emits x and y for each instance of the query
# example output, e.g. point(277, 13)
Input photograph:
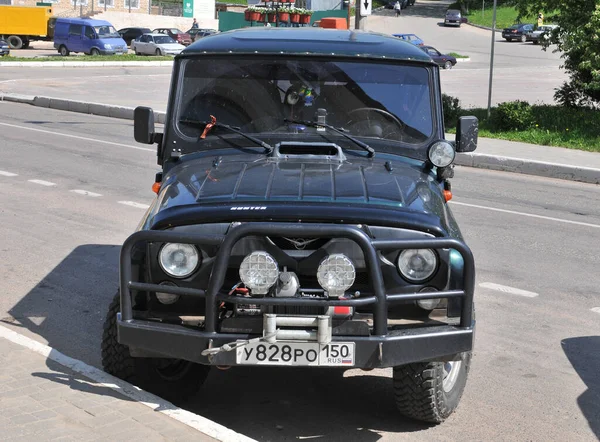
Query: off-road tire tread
point(416, 394)
point(116, 359)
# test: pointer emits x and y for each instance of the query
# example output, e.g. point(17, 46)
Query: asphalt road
point(522, 70)
point(534, 374)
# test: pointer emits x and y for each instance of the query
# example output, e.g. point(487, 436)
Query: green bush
point(512, 115)
point(452, 110)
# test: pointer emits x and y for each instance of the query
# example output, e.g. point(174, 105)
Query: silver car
point(156, 44)
point(541, 33)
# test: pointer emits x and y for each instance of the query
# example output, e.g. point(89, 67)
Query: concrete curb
point(529, 167)
point(458, 60)
point(481, 161)
point(487, 28)
point(78, 64)
point(84, 107)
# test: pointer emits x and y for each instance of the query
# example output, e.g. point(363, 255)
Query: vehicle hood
point(261, 183)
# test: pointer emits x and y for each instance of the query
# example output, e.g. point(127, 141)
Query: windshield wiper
point(339, 130)
point(208, 125)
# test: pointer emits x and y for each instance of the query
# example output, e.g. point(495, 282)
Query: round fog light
point(167, 298)
point(336, 274)
point(259, 272)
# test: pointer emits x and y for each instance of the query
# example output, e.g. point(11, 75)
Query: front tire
point(430, 391)
point(63, 51)
point(94, 52)
point(448, 65)
point(172, 379)
point(158, 53)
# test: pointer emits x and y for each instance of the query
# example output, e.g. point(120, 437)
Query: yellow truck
point(19, 25)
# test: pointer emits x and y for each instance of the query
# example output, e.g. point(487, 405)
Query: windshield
point(175, 31)
point(391, 102)
point(163, 39)
point(106, 32)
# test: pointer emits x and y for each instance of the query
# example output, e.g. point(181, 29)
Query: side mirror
point(467, 130)
point(143, 125)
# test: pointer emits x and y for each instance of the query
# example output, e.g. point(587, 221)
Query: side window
point(89, 32)
point(432, 52)
point(144, 39)
point(75, 30)
point(150, 39)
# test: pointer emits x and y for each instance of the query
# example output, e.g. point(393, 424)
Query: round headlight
point(441, 154)
point(416, 265)
point(336, 274)
point(167, 298)
point(259, 272)
point(178, 260)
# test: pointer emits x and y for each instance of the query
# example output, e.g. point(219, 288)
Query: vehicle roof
point(308, 41)
point(132, 27)
point(84, 21)
point(452, 11)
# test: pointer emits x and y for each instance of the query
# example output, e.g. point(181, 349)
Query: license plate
point(297, 354)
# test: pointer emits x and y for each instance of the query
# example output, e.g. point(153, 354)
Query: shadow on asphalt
point(67, 307)
point(296, 403)
point(584, 354)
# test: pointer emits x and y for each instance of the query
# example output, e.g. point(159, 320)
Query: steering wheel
point(373, 125)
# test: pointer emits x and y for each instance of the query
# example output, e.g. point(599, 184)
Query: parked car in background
point(93, 37)
point(453, 18)
point(541, 33)
point(443, 60)
point(411, 38)
point(130, 34)
point(156, 44)
point(517, 32)
point(4, 48)
point(176, 34)
point(197, 33)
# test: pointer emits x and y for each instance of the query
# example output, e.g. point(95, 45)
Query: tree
point(578, 38)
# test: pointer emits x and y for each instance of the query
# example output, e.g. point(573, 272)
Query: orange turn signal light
point(156, 188)
point(447, 195)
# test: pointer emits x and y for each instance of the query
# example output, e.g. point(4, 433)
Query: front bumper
point(384, 347)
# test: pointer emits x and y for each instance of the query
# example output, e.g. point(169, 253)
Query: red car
point(176, 34)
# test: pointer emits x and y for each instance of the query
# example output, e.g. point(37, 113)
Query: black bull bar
point(178, 341)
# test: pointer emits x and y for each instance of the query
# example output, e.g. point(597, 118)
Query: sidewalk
point(41, 399)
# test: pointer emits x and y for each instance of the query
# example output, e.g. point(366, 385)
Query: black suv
point(130, 34)
point(301, 219)
point(517, 32)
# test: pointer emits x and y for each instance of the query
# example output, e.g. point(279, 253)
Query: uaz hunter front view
point(301, 219)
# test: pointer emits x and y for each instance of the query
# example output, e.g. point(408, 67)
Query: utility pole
point(489, 108)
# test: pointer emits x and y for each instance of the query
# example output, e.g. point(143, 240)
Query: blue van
point(86, 35)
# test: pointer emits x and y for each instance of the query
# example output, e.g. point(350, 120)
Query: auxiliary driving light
point(417, 265)
point(179, 260)
point(167, 298)
point(336, 274)
point(259, 272)
point(441, 154)
point(431, 303)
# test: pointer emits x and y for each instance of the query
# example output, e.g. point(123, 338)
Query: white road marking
point(3, 173)
point(596, 309)
point(134, 204)
point(77, 137)
point(85, 192)
point(105, 380)
point(507, 289)
point(531, 215)
point(42, 183)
